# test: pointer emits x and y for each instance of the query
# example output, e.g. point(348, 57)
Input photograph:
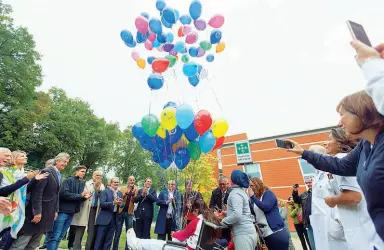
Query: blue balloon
point(195, 9)
point(169, 15)
point(165, 23)
point(185, 19)
point(194, 80)
point(145, 14)
point(165, 164)
point(207, 142)
point(199, 69)
point(185, 116)
point(127, 37)
point(131, 45)
point(169, 37)
point(190, 69)
point(160, 142)
point(150, 59)
point(147, 142)
point(170, 104)
point(158, 156)
point(182, 158)
point(216, 36)
point(155, 81)
point(138, 131)
point(191, 133)
point(161, 38)
point(193, 51)
point(155, 26)
point(156, 44)
point(179, 47)
point(210, 58)
point(140, 38)
point(160, 5)
point(177, 15)
point(175, 134)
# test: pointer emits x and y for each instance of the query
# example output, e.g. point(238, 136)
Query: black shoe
point(43, 247)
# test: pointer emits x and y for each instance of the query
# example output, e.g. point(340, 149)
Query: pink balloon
point(186, 29)
point(152, 36)
point(135, 55)
point(141, 24)
point(216, 21)
point(191, 38)
point(148, 45)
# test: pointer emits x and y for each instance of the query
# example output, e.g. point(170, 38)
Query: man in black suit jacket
point(145, 198)
point(41, 211)
point(220, 195)
point(106, 221)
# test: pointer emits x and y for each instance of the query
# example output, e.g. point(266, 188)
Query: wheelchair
point(203, 243)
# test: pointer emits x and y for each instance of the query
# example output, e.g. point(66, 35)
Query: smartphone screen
point(283, 144)
point(358, 33)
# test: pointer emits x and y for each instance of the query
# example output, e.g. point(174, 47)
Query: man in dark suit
point(41, 211)
point(106, 221)
point(144, 212)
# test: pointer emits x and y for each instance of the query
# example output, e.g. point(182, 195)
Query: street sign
point(243, 152)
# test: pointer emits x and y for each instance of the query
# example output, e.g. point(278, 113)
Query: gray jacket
point(239, 215)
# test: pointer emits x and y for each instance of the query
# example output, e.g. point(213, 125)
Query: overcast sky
point(285, 67)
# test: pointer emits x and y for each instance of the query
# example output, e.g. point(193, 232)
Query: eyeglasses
point(308, 182)
point(222, 184)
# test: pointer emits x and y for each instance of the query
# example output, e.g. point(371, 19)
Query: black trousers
point(143, 228)
point(303, 236)
point(168, 230)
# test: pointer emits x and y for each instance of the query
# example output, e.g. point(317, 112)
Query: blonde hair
point(15, 155)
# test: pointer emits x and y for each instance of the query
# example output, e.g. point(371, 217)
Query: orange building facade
point(278, 168)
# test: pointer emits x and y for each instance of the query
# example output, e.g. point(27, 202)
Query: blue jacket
point(162, 202)
point(368, 166)
point(106, 207)
point(145, 204)
point(270, 209)
point(70, 197)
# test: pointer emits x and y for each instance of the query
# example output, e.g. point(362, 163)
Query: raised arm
point(161, 200)
point(374, 73)
point(152, 196)
point(7, 190)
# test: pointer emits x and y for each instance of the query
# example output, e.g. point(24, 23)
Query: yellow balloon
point(219, 127)
point(162, 132)
point(220, 47)
point(168, 118)
point(141, 63)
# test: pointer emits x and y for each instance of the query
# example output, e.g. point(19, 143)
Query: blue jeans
point(59, 230)
point(311, 237)
point(123, 218)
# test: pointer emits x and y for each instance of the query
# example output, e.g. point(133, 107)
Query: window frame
point(255, 163)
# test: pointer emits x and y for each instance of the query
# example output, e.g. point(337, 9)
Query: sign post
point(243, 152)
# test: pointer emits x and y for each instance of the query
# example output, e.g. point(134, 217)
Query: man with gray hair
point(5, 158)
point(44, 198)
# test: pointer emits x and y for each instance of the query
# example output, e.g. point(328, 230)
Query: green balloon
point(185, 58)
point(172, 59)
point(205, 45)
point(194, 150)
point(150, 124)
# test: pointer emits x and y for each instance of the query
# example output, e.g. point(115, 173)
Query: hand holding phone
point(358, 33)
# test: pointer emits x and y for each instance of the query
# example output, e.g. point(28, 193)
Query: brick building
point(278, 168)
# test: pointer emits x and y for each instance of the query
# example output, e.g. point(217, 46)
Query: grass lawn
point(64, 243)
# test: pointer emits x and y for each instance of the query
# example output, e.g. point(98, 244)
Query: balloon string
point(217, 99)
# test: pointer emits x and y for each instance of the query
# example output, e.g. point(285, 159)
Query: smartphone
point(283, 144)
point(358, 32)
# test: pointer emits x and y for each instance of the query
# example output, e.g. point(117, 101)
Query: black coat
point(216, 199)
point(45, 201)
point(145, 204)
point(70, 195)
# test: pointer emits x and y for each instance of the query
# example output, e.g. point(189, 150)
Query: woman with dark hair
point(190, 234)
point(265, 206)
point(362, 117)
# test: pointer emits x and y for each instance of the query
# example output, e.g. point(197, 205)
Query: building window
point(307, 169)
point(253, 170)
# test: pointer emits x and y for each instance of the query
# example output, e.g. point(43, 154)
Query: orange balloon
point(180, 32)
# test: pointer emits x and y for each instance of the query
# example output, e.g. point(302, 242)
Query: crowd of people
point(340, 209)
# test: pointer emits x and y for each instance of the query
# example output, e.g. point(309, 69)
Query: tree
point(129, 158)
point(20, 74)
point(201, 172)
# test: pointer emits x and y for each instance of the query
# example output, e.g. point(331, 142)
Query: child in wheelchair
point(190, 235)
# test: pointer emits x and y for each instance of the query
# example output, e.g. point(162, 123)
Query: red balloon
point(159, 65)
point(180, 32)
point(202, 121)
point(219, 142)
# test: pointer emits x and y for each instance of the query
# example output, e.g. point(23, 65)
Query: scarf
point(18, 201)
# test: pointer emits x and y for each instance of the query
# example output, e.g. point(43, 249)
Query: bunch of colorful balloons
point(157, 33)
point(179, 135)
